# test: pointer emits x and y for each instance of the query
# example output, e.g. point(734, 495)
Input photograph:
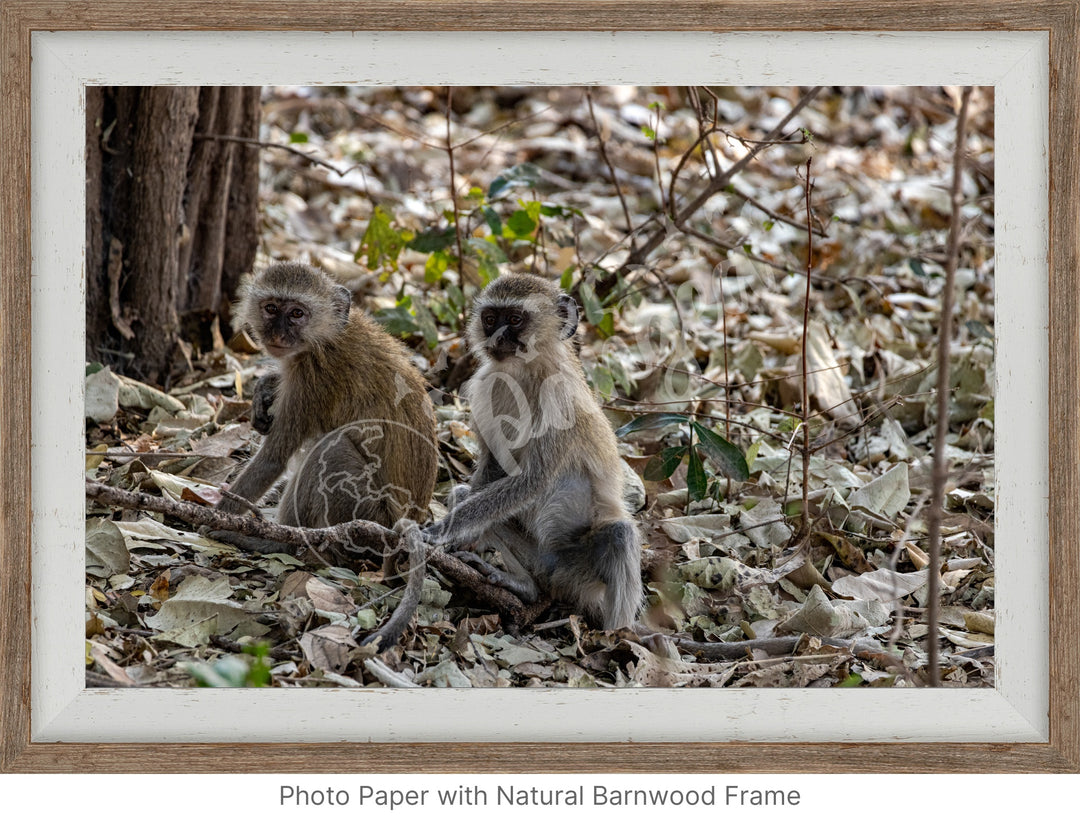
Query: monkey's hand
point(262, 399)
point(438, 533)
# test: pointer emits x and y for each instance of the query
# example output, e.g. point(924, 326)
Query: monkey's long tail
point(389, 633)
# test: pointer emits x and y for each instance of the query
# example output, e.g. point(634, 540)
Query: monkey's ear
point(342, 300)
point(567, 309)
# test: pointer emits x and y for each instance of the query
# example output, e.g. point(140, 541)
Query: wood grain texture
point(545, 15)
point(1064, 386)
point(545, 758)
point(18, 18)
point(14, 385)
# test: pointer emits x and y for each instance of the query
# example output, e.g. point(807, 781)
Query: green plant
point(234, 671)
point(703, 444)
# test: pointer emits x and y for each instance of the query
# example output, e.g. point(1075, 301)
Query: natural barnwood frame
point(1061, 19)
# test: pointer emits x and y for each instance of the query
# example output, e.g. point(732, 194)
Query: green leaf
point(648, 132)
point(493, 221)
point(455, 297)
point(227, 671)
point(559, 210)
point(752, 452)
point(769, 224)
point(259, 671)
point(488, 258)
point(697, 483)
point(567, 279)
point(380, 240)
point(436, 266)
point(788, 425)
point(603, 382)
point(661, 466)
point(656, 419)
point(521, 175)
point(620, 374)
point(433, 240)
point(398, 320)
point(298, 137)
point(521, 224)
point(606, 326)
point(727, 457)
point(594, 310)
point(426, 324)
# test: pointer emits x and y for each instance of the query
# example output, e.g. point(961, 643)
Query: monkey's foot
point(523, 588)
point(245, 542)
point(474, 560)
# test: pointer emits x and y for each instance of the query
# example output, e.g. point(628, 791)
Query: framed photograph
point(1024, 58)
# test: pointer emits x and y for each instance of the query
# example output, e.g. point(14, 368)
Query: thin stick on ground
point(356, 534)
point(941, 471)
point(805, 530)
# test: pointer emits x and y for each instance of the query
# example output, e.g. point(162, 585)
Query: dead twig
point(602, 145)
point(941, 471)
point(804, 531)
point(716, 184)
point(453, 183)
point(354, 533)
point(357, 534)
point(311, 159)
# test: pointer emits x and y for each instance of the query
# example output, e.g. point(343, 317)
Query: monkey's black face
point(505, 329)
point(283, 324)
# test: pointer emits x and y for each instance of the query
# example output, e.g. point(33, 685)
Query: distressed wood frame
point(1060, 18)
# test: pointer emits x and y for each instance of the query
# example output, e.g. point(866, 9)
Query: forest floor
point(692, 284)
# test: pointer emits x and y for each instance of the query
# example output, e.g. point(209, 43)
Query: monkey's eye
point(488, 318)
point(297, 313)
point(270, 309)
point(514, 320)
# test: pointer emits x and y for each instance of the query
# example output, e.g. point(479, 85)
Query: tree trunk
point(171, 220)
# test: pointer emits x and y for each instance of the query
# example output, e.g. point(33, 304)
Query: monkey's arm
point(263, 469)
point(484, 507)
point(486, 471)
point(262, 398)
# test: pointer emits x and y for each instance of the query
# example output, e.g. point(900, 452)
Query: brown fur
point(344, 370)
point(346, 385)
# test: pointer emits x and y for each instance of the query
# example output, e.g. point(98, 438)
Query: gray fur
point(547, 491)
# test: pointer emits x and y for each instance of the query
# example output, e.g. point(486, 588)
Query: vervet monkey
point(547, 491)
point(342, 381)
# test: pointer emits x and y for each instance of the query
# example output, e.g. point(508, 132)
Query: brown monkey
point(344, 382)
point(547, 490)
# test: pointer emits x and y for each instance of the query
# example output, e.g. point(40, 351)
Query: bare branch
point(805, 529)
point(719, 183)
point(941, 470)
point(352, 535)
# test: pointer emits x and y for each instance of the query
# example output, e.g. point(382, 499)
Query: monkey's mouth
point(277, 351)
point(502, 349)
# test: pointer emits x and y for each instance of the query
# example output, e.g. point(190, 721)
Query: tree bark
point(164, 126)
point(171, 220)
